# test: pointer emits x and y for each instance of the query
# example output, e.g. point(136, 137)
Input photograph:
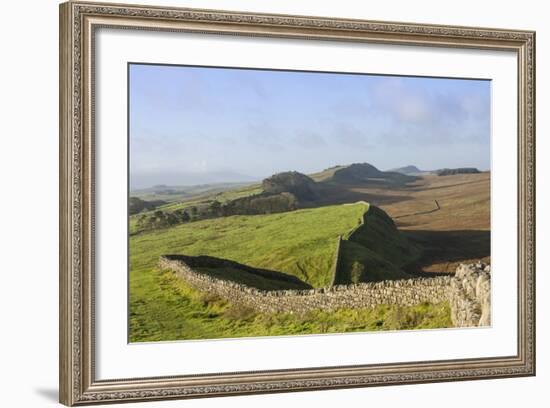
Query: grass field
point(164, 308)
point(301, 243)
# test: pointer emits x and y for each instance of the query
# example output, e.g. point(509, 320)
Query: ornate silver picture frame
point(79, 22)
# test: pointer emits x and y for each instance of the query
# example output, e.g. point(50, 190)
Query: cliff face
point(298, 184)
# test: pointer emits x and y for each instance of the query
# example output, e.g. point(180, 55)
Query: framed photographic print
point(256, 203)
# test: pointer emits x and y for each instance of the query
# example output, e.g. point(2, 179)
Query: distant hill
point(291, 190)
point(175, 193)
point(142, 180)
point(409, 170)
point(357, 172)
point(361, 173)
point(461, 170)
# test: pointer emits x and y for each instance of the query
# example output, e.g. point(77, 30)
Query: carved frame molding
point(78, 21)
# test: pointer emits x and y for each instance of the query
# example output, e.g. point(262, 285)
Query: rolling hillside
point(428, 224)
point(174, 194)
point(300, 243)
point(281, 192)
point(455, 230)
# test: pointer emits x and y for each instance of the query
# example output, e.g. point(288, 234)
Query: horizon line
point(253, 180)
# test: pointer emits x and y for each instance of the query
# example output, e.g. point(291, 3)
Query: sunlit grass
point(174, 311)
point(301, 243)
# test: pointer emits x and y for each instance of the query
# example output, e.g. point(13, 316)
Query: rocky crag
point(470, 295)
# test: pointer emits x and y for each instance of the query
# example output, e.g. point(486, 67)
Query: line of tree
point(263, 203)
point(162, 219)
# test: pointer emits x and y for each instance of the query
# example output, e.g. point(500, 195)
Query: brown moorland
point(449, 216)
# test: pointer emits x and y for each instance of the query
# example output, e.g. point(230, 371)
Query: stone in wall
point(470, 295)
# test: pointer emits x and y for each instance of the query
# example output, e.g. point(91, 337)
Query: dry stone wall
point(468, 293)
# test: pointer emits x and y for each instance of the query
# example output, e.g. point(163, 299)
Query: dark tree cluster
point(162, 219)
point(257, 204)
point(137, 205)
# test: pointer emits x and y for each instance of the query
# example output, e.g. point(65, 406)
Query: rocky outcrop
point(470, 295)
point(301, 186)
point(137, 205)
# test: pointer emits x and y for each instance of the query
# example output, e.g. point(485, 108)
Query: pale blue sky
point(192, 125)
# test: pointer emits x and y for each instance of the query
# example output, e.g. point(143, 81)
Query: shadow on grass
point(440, 247)
point(331, 194)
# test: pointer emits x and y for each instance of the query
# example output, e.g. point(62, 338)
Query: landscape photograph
point(278, 203)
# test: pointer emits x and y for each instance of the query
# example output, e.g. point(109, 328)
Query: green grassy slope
point(300, 243)
point(164, 308)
